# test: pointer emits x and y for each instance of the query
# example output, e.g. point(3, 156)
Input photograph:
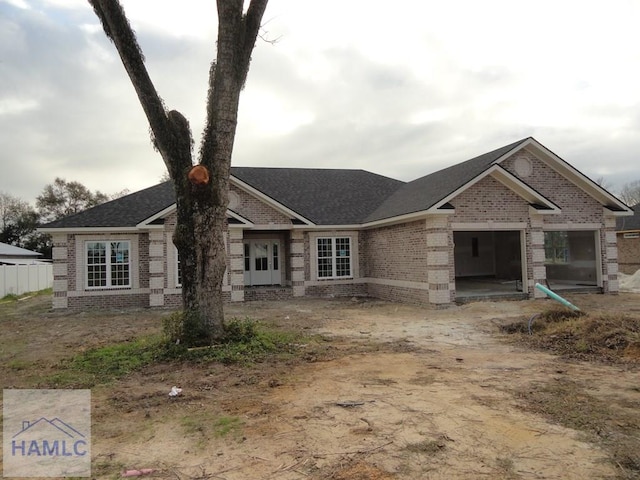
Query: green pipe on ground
point(557, 297)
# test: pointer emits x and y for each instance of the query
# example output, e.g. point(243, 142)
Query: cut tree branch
point(119, 31)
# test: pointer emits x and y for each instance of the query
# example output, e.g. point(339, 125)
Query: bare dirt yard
point(375, 391)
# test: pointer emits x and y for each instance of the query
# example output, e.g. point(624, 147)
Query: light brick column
point(536, 271)
point(440, 271)
point(236, 264)
point(609, 249)
point(156, 268)
point(60, 271)
point(297, 263)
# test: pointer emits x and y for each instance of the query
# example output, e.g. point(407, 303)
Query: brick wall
point(489, 200)
point(396, 252)
point(395, 262)
point(256, 210)
point(628, 254)
point(576, 205)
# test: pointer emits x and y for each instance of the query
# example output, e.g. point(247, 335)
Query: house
point(12, 255)
point(493, 225)
point(628, 231)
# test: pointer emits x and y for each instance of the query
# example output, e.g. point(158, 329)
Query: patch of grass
point(12, 297)
point(208, 425)
point(608, 337)
point(19, 365)
point(569, 405)
point(105, 364)
point(225, 425)
point(247, 342)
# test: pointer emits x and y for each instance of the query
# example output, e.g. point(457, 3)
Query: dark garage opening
point(488, 264)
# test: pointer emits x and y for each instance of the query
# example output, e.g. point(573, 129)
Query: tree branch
point(252, 28)
point(117, 28)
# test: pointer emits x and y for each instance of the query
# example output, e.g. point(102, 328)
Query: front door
point(262, 262)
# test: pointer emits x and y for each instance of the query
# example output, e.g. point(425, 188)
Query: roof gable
point(432, 192)
point(425, 192)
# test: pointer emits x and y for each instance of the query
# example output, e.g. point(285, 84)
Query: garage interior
point(489, 263)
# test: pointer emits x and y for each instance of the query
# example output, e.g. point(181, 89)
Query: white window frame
point(631, 235)
point(177, 265)
point(334, 257)
point(108, 265)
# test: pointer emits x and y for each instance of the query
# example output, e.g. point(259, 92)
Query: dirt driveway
point(392, 392)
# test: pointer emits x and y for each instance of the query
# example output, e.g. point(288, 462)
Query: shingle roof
point(324, 196)
point(629, 223)
point(425, 192)
point(127, 211)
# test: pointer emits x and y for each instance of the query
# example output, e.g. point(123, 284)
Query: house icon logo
point(46, 433)
point(44, 437)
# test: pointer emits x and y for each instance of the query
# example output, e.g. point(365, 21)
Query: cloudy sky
point(399, 88)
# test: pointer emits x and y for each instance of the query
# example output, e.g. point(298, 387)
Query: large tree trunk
point(201, 205)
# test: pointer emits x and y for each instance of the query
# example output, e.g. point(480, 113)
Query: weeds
point(569, 405)
point(430, 447)
point(610, 337)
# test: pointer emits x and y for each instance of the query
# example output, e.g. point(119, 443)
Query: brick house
point(628, 231)
point(495, 224)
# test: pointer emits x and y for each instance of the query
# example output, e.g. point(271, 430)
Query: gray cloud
point(68, 109)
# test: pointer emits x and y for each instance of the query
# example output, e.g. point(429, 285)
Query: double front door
point(262, 260)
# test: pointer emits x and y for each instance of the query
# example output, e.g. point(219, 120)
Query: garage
point(488, 263)
point(571, 259)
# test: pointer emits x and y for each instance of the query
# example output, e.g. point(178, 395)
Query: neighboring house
point(628, 230)
point(495, 224)
point(12, 255)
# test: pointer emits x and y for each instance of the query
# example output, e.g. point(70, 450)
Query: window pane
point(324, 248)
point(119, 275)
point(325, 268)
point(247, 258)
point(343, 268)
point(261, 256)
point(343, 247)
point(96, 253)
point(97, 276)
point(179, 268)
point(96, 264)
point(275, 256)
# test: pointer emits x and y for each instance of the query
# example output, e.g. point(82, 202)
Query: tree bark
point(201, 208)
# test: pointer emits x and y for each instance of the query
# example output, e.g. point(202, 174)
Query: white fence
point(19, 279)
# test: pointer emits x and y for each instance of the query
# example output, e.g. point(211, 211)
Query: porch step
point(461, 300)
